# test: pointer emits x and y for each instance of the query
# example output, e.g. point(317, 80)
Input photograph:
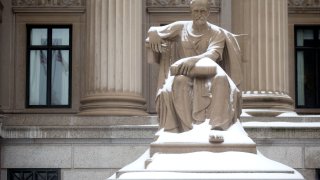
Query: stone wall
point(94, 148)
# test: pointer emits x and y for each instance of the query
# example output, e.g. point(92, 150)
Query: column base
point(113, 104)
point(267, 103)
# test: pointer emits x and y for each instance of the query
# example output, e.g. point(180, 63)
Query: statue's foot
point(217, 128)
point(216, 138)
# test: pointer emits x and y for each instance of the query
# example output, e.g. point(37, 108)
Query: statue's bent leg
point(166, 112)
point(221, 107)
point(182, 100)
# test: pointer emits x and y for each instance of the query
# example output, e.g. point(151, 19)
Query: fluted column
point(113, 64)
point(265, 54)
point(1, 7)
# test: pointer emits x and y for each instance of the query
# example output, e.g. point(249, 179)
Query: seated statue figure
point(193, 87)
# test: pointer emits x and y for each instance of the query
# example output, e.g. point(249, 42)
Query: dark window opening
point(307, 55)
point(49, 66)
point(34, 174)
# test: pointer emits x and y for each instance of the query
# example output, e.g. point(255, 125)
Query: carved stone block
point(48, 3)
point(177, 3)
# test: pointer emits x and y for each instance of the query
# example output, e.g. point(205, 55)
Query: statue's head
point(199, 11)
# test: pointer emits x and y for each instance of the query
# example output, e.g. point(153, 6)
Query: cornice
point(48, 5)
point(304, 6)
point(177, 5)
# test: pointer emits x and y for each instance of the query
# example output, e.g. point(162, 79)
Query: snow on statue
point(192, 86)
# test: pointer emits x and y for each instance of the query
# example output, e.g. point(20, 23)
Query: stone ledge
point(77, 120)
point(114, 132)
point(115, 127)
point(143, 131)
point(74, 120)
point(306, 118)
point(283, 132)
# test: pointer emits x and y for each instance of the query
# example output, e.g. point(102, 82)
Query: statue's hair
point(205, 2)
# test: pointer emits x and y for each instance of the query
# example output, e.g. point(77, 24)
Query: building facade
point(77, 94)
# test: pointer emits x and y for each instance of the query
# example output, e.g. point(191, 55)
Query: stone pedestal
point(196, 140)
point(265, 54)
point(203, 160)
point(113, 65)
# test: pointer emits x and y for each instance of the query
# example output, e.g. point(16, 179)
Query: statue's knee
point(181, 81)
point(221, 77)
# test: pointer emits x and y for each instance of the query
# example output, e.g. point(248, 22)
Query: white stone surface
point(197, 139)
point(216, 162)
point(113, 156)
point(288, 155)
point(36, 156)
point(312, 157)
point(282, 124)
point(200, 134)
point(85, 174)
point(208, 165)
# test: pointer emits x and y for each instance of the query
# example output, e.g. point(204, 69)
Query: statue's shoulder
point(221, 30)
point(179, 24)
point(216, 31)
point(215, 28)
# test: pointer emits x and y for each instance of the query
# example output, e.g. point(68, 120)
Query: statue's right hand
point(156, 42)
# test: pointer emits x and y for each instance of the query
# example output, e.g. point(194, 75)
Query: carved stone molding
point(177, 3)
point(303, 3)
point(304, 6)
point(48, 5)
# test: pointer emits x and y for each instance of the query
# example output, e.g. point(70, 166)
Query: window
point(307, 52)
point(34, 174)
point(49, 66)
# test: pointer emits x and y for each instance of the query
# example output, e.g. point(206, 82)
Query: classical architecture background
point(107, 118)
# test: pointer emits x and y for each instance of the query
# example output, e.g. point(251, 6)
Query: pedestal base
point(235, 139)
point(208, 165)
point(189, 155)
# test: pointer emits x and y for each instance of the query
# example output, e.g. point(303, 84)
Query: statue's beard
point(200, 21)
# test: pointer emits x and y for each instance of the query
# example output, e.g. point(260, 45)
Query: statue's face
point(199, 13)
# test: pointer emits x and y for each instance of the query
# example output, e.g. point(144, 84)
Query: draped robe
point(181, 100)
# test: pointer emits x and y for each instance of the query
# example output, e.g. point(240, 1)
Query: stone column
point(113, 63)
point(265, 55)
point(1, 7)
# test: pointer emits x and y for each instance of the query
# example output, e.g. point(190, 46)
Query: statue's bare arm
point(158, 35)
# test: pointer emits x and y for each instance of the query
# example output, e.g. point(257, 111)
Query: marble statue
point(200, 72)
